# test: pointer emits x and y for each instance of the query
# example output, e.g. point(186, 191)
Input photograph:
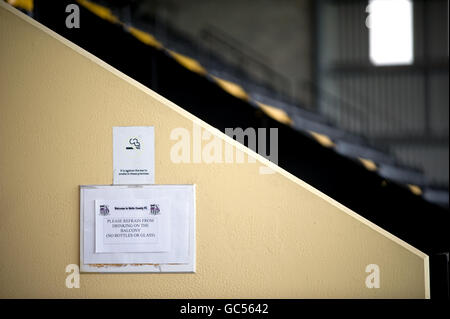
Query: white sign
point(137, 228)
point(132, 226)
point(134, 154)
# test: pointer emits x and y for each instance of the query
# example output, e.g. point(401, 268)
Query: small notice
point(134, 154)
point(132, 226)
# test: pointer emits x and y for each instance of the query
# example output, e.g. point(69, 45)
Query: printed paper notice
point(132, 226)
point(134, 154)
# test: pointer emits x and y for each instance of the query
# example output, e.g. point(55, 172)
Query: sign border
point(189, 267)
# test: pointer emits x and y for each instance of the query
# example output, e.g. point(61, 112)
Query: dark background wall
point(317, 53)
point(402, 107)
point(276, 33)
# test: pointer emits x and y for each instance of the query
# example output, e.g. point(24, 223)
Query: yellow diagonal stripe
point(99, 10)
point(22, 4)
point(416, 190)
point(145, 37)
point(276, 113)
point(188, 62)
point(322, 139)
point(368, 164)
point(232, 88)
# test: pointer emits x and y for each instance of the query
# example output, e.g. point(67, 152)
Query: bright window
point(390, 24)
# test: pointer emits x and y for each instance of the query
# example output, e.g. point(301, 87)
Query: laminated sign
point(137, 228)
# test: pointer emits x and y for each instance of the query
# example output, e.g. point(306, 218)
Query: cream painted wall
point(257, 235)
